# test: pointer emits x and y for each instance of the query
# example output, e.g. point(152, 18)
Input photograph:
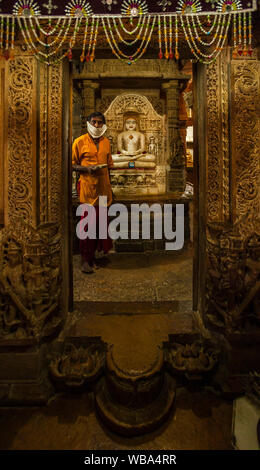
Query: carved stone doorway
point(135, 313)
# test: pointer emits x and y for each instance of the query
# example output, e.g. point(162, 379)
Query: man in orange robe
point(90, 149)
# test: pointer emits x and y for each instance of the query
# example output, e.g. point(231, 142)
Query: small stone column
point(176, 178)
point(88, 101)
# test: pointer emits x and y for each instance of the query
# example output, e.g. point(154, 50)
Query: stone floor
point(198, 422)
point(137, 277)
point(133, 302)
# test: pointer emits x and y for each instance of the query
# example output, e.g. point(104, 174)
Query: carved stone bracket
point(78, 364)
point(193, 359)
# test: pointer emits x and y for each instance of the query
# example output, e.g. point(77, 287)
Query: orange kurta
point(85, 152)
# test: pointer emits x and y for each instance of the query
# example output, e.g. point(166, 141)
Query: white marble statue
point(131, 145)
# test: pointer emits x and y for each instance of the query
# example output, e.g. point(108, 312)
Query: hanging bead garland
point(128, 43)
point(82, 57)
point(160, 38)
point(176, 38)
point(129, 59)
point(7, 43)
point(234, 36)
point(250, 50)
point(46, 56)
point(201, 56)
point(92, 55)
point(6, 39)
point(166, 55)
point(246, 48)
point(206, 35)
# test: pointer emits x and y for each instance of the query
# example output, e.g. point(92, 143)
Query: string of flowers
point(194, 48)
point(119, 54)
point(90, 39)
point(250, 50)
point(207, 31)
point(7, 37)
point(45, 57)
point(11, 51)
point(245, 34)
point(50, 32)
point(215, 35)
point(133, 30)
point(166, 55)
point(50, 44)
point(176, 38)
point(234, 36)
point(55, 36)
point(132, 56)
point(239, 35)
point(171, 53)
point(131, 43)
point(92, 55)
point(82, 57)
point(160, 38)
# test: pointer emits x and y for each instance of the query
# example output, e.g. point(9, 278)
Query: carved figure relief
point(30, 281)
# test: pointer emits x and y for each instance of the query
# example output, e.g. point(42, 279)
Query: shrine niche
point(137, 136)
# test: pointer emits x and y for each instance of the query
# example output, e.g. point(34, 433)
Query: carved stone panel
point(30, 281)
point(21, 140)
point(218, 140)
point(245, 137)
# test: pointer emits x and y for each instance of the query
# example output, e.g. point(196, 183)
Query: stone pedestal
point(138, 181)
point(135, 396)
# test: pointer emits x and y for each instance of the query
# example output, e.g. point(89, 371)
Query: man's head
point(96, 124)
point(96, 119)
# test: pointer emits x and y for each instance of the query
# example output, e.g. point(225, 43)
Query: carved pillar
point(88, 101)
point(31, 276)
point(175, 150)
point(233, 196)
point(2, 132)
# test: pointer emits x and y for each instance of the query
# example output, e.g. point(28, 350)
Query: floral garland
point(129, 59)
point(205, 39)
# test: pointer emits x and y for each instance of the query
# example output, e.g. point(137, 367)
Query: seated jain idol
point(131, 147)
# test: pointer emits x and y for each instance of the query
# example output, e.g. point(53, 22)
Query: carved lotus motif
point(76, 365)
point(194, 360)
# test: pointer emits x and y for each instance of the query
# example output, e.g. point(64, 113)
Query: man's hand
point(84, 169)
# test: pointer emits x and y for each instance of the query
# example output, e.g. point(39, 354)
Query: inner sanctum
point(173, 307)
point(153, 165)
